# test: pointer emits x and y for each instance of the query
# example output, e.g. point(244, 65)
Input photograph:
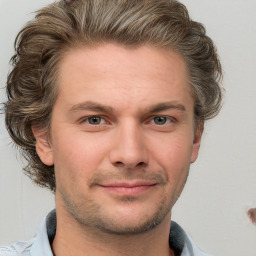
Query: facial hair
point(90, 214)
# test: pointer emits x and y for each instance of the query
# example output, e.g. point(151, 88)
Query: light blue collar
point(179, 240)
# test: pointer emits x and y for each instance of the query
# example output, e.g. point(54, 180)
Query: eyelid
point(107, 121)
point(86, 118)
point(170, 118)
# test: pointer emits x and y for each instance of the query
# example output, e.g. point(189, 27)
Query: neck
point(74, 238)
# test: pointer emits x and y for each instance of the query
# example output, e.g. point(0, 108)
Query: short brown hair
point(63, 25)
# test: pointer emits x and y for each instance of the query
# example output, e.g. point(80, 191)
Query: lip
point(128, 188)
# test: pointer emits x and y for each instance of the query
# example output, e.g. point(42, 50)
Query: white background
point(222, 184)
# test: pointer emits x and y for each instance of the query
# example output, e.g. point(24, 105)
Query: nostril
point(129, 166)
point(119, 163)
point(140, 164)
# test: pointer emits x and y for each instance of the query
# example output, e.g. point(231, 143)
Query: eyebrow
point(97, 107)
point(92, 106)
point(165, 106)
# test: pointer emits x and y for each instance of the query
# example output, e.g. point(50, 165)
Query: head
point(66, 26)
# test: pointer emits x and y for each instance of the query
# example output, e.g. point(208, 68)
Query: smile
point(127, 188)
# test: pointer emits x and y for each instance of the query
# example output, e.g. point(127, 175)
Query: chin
point(128, 220)
point(127, 226)
point(129, 217)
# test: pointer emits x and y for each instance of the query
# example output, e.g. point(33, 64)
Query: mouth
point(128, 188)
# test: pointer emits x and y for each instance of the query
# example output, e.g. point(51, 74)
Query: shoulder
point(191, 248)
point(38, 246)
point(181, 242)
point(17, 249)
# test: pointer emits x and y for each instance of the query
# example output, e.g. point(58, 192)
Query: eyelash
point(86, 120)
point(167, 120)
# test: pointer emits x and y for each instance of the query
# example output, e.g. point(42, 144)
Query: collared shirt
point(179, 241)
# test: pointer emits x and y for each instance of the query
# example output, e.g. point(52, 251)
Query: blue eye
point(160, 120)
point(95, 120)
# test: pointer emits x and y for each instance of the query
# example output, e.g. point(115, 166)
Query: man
point(108, 99)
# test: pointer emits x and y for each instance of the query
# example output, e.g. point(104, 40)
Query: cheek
point(173, 156)
point(175, 152)
point(77, 152)
point(176, 163)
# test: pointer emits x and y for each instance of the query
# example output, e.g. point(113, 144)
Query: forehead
point(108, 70)
point(147, 57)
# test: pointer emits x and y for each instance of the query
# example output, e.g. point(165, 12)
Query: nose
point(128, 148)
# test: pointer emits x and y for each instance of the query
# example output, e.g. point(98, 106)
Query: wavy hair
point(39, 46)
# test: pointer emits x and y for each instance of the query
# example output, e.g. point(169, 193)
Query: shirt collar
point(41, 245)
point(179, 240)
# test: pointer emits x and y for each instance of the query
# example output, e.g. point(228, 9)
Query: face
point(122, 136)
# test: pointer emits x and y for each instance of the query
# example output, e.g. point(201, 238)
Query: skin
point(122, 139)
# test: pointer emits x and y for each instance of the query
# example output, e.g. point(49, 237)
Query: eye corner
point(94, 120)
point(162, 123)
point(162, 120)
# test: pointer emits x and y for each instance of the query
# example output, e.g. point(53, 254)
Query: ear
point(43, 146)
point(196, 142)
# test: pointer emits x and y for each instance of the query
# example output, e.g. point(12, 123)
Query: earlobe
point(43, 146)
point(197, 142)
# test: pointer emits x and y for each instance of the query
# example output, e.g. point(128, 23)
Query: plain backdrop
point(222, 183)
